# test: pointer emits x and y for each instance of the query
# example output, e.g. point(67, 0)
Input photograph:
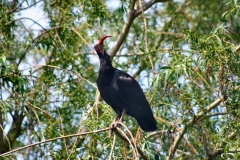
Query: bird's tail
point(147, 122)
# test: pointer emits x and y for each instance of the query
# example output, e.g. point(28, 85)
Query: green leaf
point(165, 67)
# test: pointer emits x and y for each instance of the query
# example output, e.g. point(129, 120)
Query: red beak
point(102, 39)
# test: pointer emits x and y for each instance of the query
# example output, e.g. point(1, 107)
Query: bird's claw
point(114, 124)
point(116, 121)
point(113, 127)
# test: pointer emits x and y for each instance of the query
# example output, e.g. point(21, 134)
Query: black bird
point(122, 92)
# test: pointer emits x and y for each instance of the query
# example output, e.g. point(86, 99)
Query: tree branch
point(131, 16)
point(219, 150)
point(146, 37)
point(113, 145)
point(53, 139)
point(173, 148)
point(139, 150)
point(147, 6)
point(196, 118)
point(125, 30)
point(18, 9)
point(208, 109)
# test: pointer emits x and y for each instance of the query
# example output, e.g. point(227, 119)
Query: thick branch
point(193, 120)
point(14, 132)
point(173, 148)
point(209, 108)
point(131, 16)
point(147, 6)
point(124, 31)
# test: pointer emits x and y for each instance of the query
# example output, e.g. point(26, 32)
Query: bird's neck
point(105, 62)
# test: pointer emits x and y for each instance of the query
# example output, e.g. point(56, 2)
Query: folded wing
point(137, 104)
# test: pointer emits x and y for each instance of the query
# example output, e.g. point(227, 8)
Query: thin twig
point(75, 142)
point(146, 37)
point(54, 139)
point(173, 148)
point(83, 39)
point(129, 141)
point(214, 114)
point(156, 133)
point(172, 34)
point(213, 90)
point(5, 137)
point(196, 118)
point(133, 140)
point(39, 122)
point(208, 109)
point(237, 49)
point(113, 145)
point(71, 72)
point(62, 128)
point(65, 48)
point(139, 150)
point(25, 8)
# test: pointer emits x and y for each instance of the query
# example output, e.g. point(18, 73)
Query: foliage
point(185, 54)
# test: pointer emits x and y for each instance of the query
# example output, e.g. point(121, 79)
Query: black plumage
point(122, 92)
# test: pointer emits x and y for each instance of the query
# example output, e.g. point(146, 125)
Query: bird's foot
point(116, 121)
point(114, 124)
point(113, 127)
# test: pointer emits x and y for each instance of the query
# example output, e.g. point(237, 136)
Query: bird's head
point(99, 46)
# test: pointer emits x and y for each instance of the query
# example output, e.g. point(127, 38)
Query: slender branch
point(6, 137)
point(16, 9)
point(113, 145)
point(130, 142)
point(74, 30)
point(139, 150)
point(54, 139)
point(156, 133)
point(125, 30)
point(132, 53)
point(237, 49)
point(76, 140)
point(56, 67)
point(146, 37)
point(173, 148)
point(134, 142)
point(178, 35)
point(33, 41)
point(1, 132)
point(219, 150)
point(204, 80)
point(196, 118)
point(208, 109)
point(214, 114)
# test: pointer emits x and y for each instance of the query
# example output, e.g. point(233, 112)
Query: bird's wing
point(132, 94)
